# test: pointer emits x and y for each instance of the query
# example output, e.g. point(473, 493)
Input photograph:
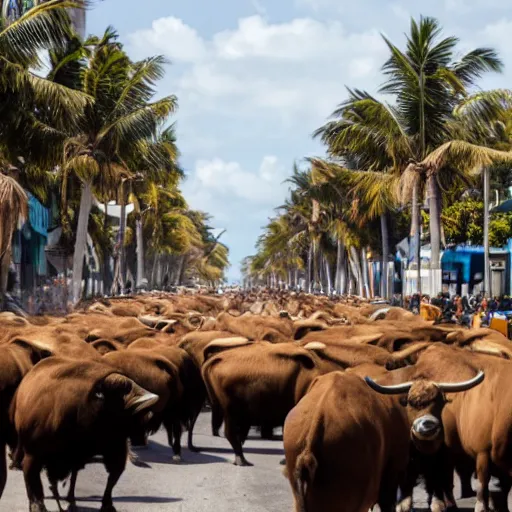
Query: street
point(206, 481)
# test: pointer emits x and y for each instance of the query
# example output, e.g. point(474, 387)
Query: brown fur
point(257, 385)
point(345, 444)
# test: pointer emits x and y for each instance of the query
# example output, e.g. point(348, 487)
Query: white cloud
point(293, 70)
point(498, 34)
point(228, 180)
point(400, 12)
point(464, 6)
point(169, 36)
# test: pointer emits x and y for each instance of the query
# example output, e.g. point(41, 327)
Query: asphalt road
point(206, 481)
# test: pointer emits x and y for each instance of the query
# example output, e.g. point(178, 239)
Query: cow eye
point(99, 395)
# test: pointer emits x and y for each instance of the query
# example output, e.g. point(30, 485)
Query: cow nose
point(426, 426)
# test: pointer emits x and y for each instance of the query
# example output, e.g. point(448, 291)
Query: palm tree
point(148, 177)
point(13, 208)
point(368, 195)
point(428, 86)
point(24, 96)
point(119, 119)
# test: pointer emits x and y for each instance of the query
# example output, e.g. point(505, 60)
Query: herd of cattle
point(370, 398)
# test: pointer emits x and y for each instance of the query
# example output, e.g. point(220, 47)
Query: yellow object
point(499, 324)
point(429, 312)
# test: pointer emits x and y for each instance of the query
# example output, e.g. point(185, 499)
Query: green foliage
point(463, 223)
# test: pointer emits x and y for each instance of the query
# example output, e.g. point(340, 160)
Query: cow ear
point(269, 336)
point(104, 346)
point(305, 360)
point(115, 382)
point(38, 350)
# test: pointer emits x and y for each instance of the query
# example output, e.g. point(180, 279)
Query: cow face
point(122, 400)
point(425, 400)
point(424, 403)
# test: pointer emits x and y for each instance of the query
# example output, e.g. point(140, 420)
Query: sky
point(255, 78)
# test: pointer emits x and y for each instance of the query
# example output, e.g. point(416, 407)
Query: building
point(12, 9)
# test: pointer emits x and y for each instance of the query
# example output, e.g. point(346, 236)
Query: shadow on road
point(460, 509)
point(257, 437)
point(132, 499)
point(161, 454)
point(256, 451)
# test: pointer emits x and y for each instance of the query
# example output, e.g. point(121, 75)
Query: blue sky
point(254, 79)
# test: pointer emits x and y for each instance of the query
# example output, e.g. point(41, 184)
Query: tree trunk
point(106, 256)
point(487, 268)
point(81, 239)
point(384, 275)
point(159, 272)
point(140, 252)
point(328, 276)
point(356, 270)
point(316, 277)
point(435, 234)
point(181, 261)
point(153, 271)
point(364, 266)
point(183, 269)
point(416, 233)
point(341, 268)
point(309, 275)
point(122, 249)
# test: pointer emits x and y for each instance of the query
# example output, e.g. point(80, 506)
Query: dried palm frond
point(13, 209)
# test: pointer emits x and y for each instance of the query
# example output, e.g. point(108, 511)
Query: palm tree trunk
point(343, 275)
point(384, 277)
point(140, 252)
point(356, 270)
point(341, 268)
point(328, 276)
point(309, 275)
point(159, 272)
point(81, 239)
point(183, 268)
point(416, 233)
point(487, 268)
point(316, 277)
point(122, 249)
point(106, 255)
point(364, 266)
point(435, 234)
point(337, 276)
point(153, 271)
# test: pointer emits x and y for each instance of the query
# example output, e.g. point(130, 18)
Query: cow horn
point(456, 387)
point(396, 389)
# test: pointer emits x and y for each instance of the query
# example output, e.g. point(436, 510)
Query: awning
point(38, 216)
point(504, 207)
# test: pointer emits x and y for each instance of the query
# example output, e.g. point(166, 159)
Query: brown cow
point(257, 385)
point(161, 377)
point(16, 359)
point(255, 327)
point(346, 447)
point(342, 437)
point(195, 343)
point(83, 409)
point(194, 391)
point(477, 424)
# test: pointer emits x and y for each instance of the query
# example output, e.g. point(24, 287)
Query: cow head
point(425, 400)
point(122, 399)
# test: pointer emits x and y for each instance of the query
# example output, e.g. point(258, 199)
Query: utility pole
point(487, 268)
